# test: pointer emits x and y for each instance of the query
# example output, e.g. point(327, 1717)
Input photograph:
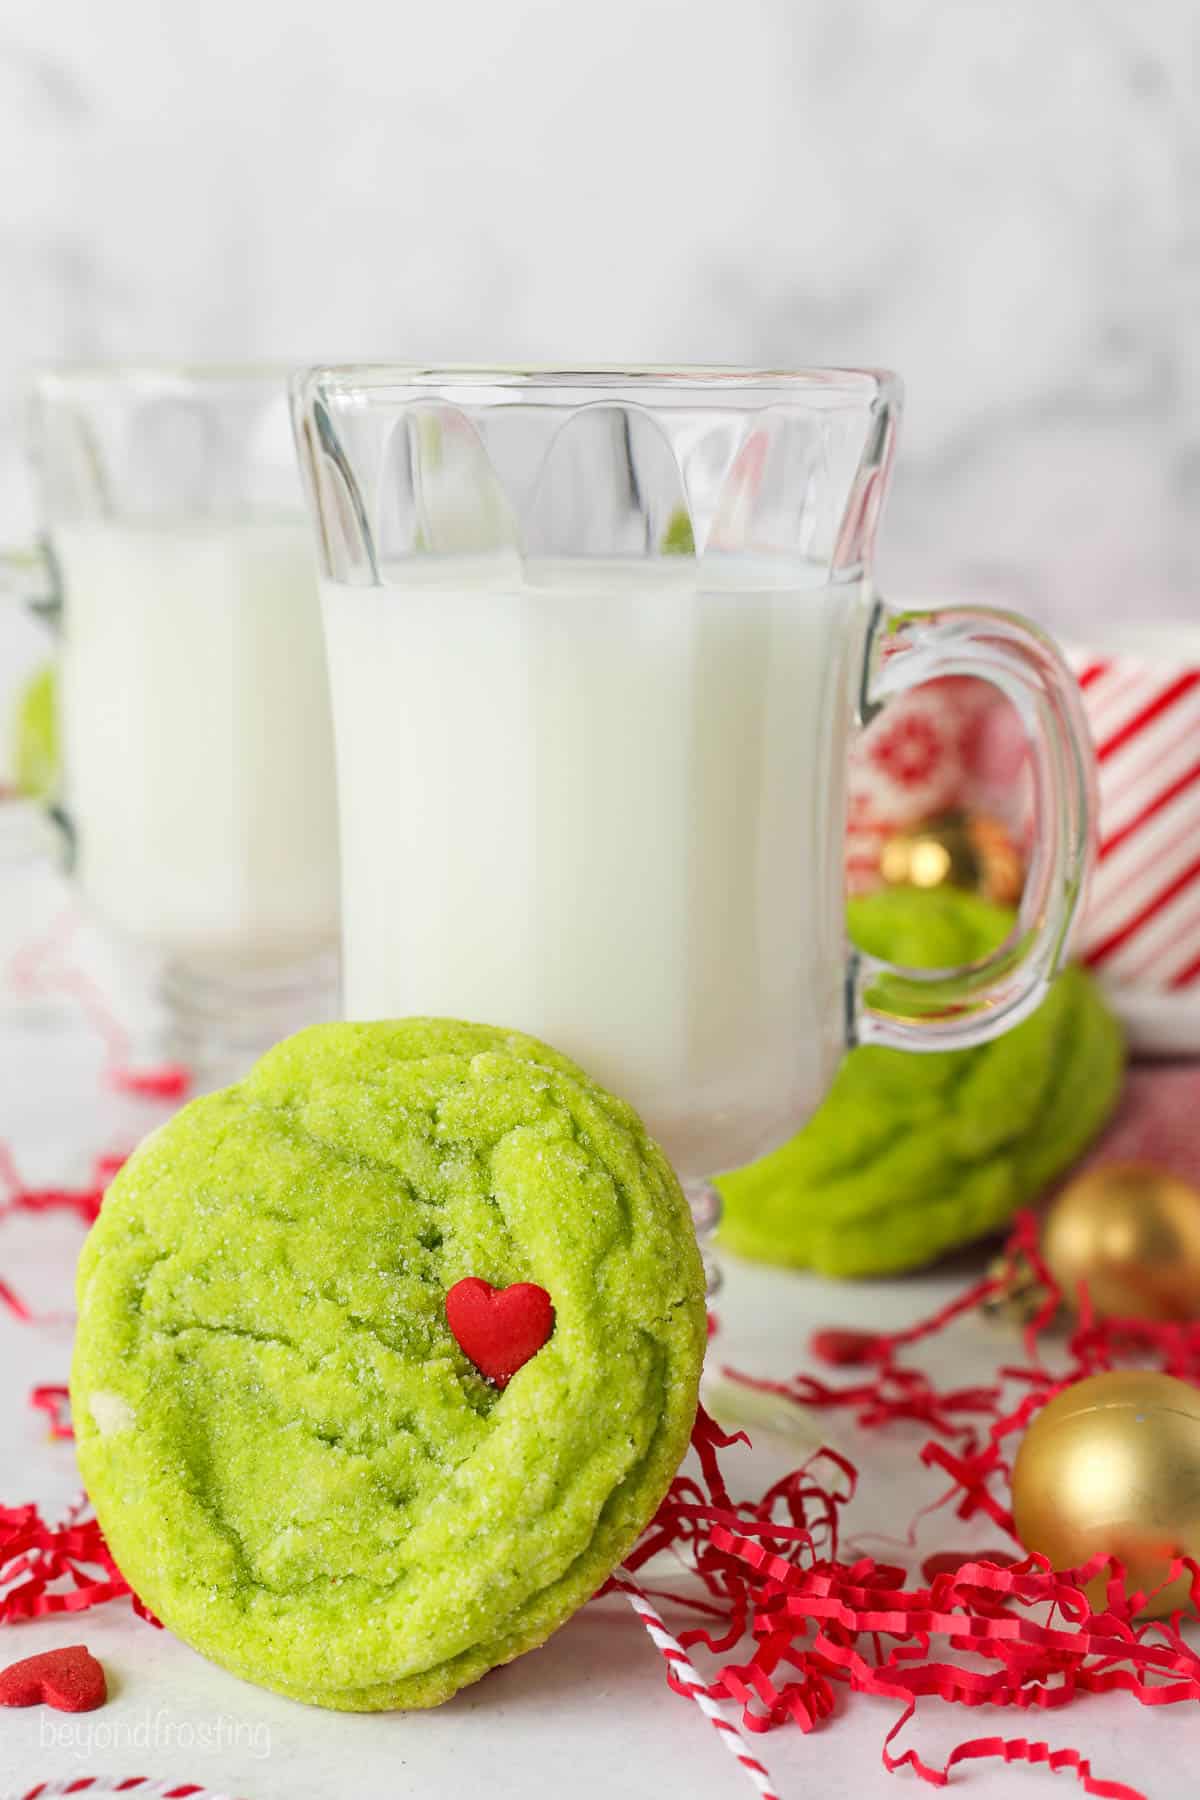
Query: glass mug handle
point(27, 577)
point(952, 1009)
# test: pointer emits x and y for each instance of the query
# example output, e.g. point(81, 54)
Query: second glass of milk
point(198, 767)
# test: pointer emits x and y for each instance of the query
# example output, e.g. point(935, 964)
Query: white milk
point(605, 809)
point(197, 742)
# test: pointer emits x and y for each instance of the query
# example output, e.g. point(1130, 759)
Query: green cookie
point(35, 750)
point(296, 1466)
point(911, 1156)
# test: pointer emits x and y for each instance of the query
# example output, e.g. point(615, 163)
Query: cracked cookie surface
point(296, 1467)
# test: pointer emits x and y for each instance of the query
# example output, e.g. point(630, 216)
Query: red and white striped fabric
point(1143, 919)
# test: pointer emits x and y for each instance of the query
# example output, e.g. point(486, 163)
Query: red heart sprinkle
point(499, 1329)
point(70, 1680)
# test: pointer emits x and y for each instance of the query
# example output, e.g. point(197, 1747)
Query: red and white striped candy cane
point(688, 1676)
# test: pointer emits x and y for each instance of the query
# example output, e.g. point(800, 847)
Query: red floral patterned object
point(949, 745)
point(957, 746)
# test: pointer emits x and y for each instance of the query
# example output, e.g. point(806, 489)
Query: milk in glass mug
point(176, 566)
point(598, 643)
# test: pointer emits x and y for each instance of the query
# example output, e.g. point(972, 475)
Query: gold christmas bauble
point(1112, 1465)
point(962, 850)
point(1131, 1232)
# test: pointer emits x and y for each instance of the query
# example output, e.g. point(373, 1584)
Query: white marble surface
point(998, 201)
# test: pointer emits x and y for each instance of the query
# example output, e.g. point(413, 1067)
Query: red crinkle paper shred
point(790, 1624)
point(46, 1569)
point(45, 966)
point(16, 1197)
point(55, 1401)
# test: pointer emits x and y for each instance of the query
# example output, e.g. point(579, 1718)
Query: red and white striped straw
point(146, 1787)
point(688, 1677)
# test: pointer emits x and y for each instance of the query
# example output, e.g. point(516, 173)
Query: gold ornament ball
point(962, 850)
point(1112, 1465)
point(1131, 1232)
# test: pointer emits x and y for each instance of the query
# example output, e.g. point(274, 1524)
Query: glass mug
point(598, 641)
point(197, 748)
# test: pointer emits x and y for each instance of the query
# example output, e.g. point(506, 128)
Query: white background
point(997, 200)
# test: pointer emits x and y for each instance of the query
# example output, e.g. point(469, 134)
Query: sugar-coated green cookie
point(911, 1156)
point(295, 1465)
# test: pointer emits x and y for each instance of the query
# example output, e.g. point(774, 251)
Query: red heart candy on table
point(499, 1329)
point(70, 1680)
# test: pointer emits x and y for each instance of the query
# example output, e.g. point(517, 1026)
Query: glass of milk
point(598, 643)
point(198, 776)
